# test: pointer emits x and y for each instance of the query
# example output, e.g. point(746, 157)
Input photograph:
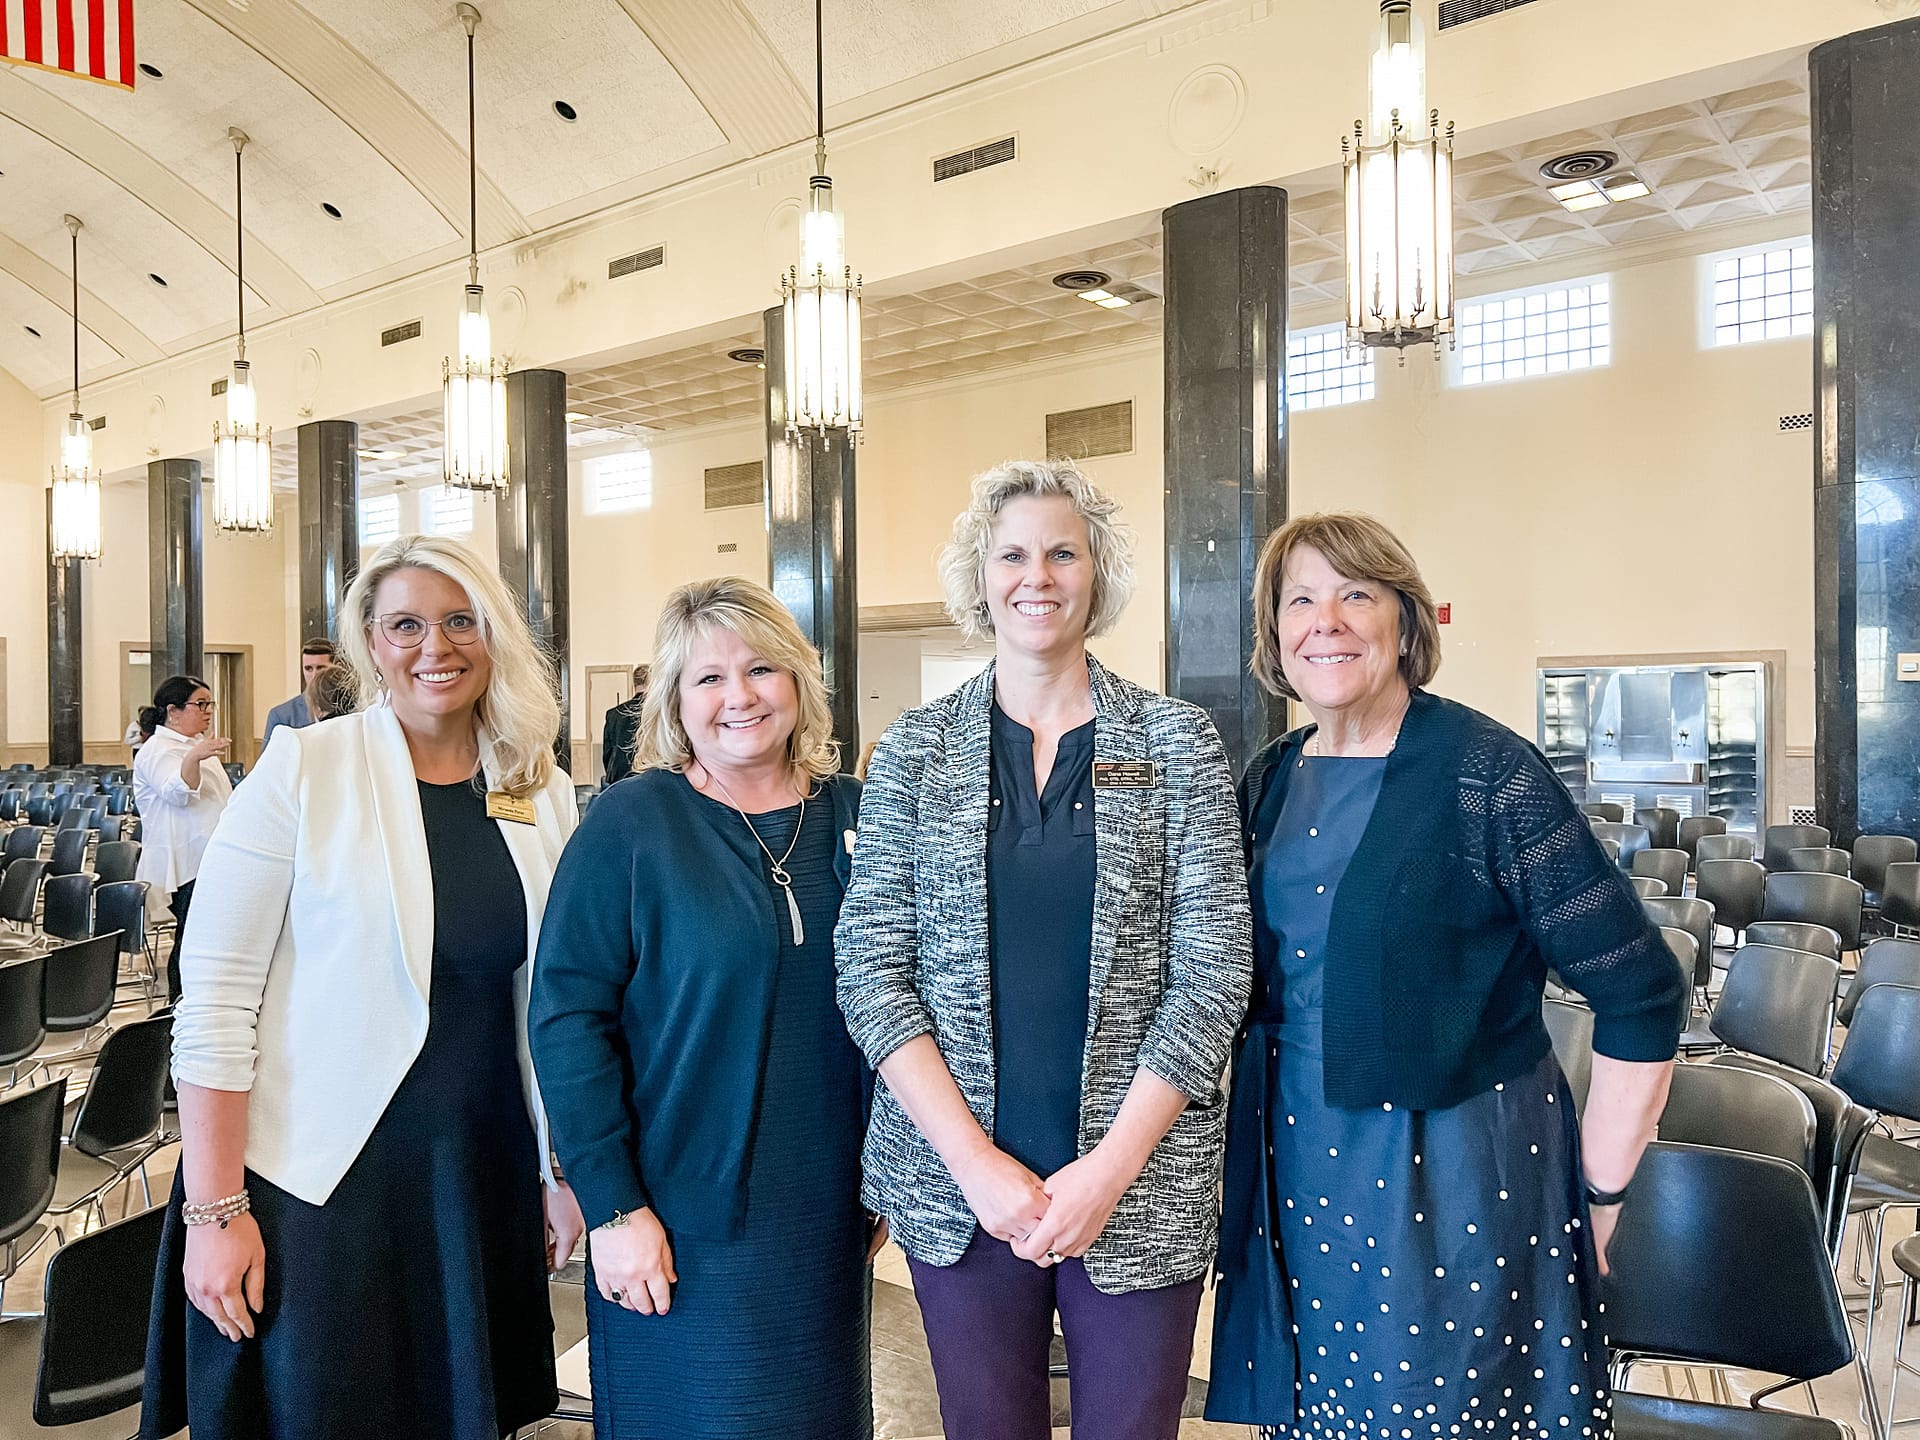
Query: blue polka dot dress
point(1389, 1274)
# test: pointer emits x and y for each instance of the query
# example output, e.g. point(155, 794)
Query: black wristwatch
point(1598, 1198)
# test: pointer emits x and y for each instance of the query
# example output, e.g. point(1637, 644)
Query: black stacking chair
point(1680, 1293)
point(1741, 1110)
point(1885, 961)
point(66, 906)
point(1646, 886)
point(1900, 896)
point(80, 985)
point(69, 855)
point(1692, 827)
point(1778, 1003)
point(1877, 1069)
point(122, 906)
point(93, 1340)
point(23, 1020)
point(1841, 1129)
point(1822, 858)
point(1737, 890)
point(112, 827)
point(1611, 847)
point(1796, 935)
point(20, 891)
point(1686, 954)
point(1695, 916)
point(1831, 900)
point(1603, 810)
point(29, 1165)
point(1571, 1029)
point(1777, 840)
point(1722, 847)
point(1667, 866)
point(22, 843)
point(10, 803)
point(119, 1124)
point(1872, 854)
point(119, 798)
point(1661, 824)
point(40, 812)
point(74, 817)
point(115, 860)
point(1631, 839)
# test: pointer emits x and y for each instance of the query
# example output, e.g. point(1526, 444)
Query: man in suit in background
point(621, 729)
point(315, 655)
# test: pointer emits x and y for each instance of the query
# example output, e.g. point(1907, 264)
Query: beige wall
point(23, 575)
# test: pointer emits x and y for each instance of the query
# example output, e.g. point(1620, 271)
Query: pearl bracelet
point(216, 1212)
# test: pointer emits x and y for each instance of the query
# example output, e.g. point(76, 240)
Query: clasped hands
point(1045, 1221)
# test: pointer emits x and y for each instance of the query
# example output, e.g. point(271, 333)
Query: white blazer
point(175, 822)
point(306, 968)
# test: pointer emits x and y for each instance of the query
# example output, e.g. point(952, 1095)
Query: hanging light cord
point(73, 228)
point(471, 18)
point(239, 240)
point(819, 90)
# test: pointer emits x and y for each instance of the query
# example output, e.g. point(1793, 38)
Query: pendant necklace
point(780, 875)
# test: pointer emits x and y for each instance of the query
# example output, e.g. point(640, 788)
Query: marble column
point(1226, 446)
point(64, 660)
point(810, 542)
point(329, 521)
point(533, 524)
point(1866, 501)
point(176, 589)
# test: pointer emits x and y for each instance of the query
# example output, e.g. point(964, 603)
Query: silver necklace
point(781, 877)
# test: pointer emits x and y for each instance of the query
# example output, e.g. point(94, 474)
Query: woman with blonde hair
point(706, 1100)
point(1045, 955)
point(359, 1239)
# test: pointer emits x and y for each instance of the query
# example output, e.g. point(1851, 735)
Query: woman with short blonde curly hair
point(707, 1102)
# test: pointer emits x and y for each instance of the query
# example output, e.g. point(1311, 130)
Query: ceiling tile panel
point(46, 360)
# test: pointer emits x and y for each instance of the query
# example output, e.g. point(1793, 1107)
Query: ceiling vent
point(980, 157)
point(731, 485)
point(1580, 165)
point(219, 387)
point(408, 331)
point(98, 422)
point(1096, 430)
point(640, 260)
point(1465, 12)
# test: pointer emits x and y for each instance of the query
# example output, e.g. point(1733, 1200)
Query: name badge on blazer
point(1125, 774)
point(502, 806)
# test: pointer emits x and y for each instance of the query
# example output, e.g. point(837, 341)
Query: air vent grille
point(1465, 12)
point(1802, 815)
point(1096, 430)
point(731, 485)
point(1802, 421)
point(730, 548)
point(98, 422)
point(980, 157)
point(220, 387)
point(640, 260)
point(408, 331)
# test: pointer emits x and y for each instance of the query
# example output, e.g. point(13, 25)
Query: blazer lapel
point(968, 786)
point(1118, 817)
point(403, 841)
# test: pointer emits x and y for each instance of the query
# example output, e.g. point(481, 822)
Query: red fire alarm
point(1446, 614)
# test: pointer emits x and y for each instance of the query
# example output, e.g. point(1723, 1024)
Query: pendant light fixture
point(74, 516)
point(1399, 197)
point(821, 295)
point(474, 456)
point(242, 446)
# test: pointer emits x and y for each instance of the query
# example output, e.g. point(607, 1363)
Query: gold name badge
point(1125, 774)
point(502, 806)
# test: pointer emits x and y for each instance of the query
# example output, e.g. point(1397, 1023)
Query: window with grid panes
point(379, 518)
point(1763, 294)
point(1322, 371)
point(620, 481)
point(1548, 330)
point(447, 510)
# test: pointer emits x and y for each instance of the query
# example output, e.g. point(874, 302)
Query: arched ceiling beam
point(383, 114)
point(140, 175)
point(134, 345)
point(731, 67)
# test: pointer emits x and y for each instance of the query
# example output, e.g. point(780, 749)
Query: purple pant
point(989, 1319)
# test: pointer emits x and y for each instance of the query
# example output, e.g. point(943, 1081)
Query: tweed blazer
point(1171, 963)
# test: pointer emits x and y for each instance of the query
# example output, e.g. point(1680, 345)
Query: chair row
point(64, 991)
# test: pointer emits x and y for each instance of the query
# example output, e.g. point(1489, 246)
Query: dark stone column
point(533, 524)
point(1226, 446)
point(176, 590)
point(329, 521)
point(1866, 215)
point(65, 745)
point(810, 542)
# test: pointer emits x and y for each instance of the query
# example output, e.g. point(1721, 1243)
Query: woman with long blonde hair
point(359, 1238)
point(706, 1099)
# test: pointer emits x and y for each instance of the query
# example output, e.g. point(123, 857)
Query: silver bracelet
point(216, 1212)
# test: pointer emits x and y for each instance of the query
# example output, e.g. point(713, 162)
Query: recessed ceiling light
point(1578, 203)
point(1628, 187)
point(331, 208)
point(574, 417)
point(159, 280)
point(1572, 188)
point(152, 72)
point(565, 111)
point(383, 454)
point(1096, 295)
point(33, 332)
point(1112, 302)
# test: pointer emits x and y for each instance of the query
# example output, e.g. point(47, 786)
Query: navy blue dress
point(414, 1302)
point(767, 1335)
point(1388, 1274)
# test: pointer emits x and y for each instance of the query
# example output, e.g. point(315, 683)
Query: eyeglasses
point(407, 632)
point(206, 707)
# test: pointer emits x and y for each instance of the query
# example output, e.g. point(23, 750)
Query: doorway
point(607, 686)
point(228, 671)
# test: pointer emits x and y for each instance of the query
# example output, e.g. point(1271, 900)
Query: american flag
point(89, 38)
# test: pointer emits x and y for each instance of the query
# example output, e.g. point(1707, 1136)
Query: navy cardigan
point(1475, 875)
point(652, 1000)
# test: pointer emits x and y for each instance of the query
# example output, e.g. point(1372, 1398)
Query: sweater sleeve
point(580, 977)
point(1581, 912)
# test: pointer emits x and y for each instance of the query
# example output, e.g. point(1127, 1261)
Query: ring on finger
point(1054, 1256)
point(614, 1295)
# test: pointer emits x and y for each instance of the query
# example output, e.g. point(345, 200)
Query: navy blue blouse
point(1040, 878)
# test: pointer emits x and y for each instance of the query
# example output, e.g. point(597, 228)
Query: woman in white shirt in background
point(180, 789)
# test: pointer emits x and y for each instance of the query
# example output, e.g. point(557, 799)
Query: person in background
point(180, 789)
point(359, 1239)
point(621, 730)
point(1415, 1222)
point(1045, 953)
point(316, 653)
point(136, 734)
point(706, 1099)
point(331, 692)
